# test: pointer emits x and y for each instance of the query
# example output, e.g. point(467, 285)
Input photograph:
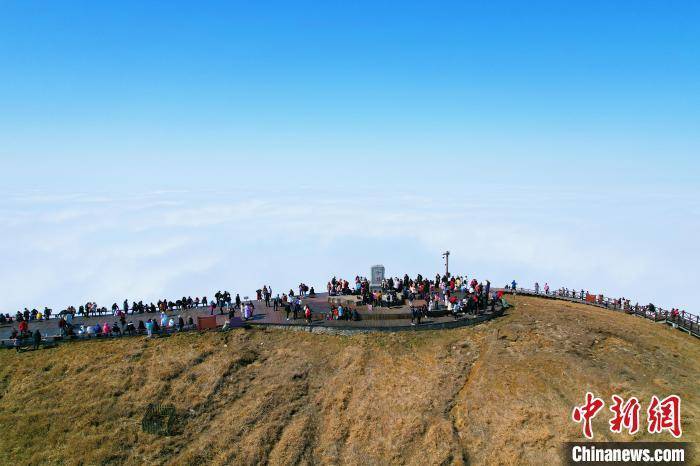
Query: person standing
point(23, 328)
point(415, 315)
point(62, 326)
point(37, 339)
point(297, 308)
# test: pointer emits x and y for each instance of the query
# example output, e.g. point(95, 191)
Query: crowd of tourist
point(150, 327)
point(455, 295)
point(67, 327)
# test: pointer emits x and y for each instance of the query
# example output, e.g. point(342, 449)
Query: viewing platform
point(379, 318)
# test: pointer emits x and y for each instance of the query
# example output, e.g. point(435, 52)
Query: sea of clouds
point(68, 248)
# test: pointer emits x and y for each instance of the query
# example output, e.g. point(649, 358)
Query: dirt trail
point(501, 392)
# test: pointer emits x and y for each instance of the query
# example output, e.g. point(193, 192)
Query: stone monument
point(377, 277)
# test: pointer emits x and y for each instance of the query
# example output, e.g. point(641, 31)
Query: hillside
point(497, 392)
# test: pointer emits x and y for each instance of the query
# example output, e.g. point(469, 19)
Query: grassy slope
point(499, 392)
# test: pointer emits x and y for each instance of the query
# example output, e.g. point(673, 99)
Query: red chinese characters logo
point(626, 415)
point(662, 415)
point(586, 412)
point(665, 415)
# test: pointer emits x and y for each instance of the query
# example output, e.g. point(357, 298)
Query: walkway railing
point(683, 320)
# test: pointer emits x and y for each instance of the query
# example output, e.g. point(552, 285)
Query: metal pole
point(446, 255)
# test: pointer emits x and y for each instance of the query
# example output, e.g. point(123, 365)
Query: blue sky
point(287, 141)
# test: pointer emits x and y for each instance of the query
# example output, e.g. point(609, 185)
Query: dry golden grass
point(501, 392)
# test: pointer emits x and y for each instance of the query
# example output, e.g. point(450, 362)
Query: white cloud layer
point(69, 248)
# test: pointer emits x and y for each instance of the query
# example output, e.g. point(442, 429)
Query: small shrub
point(159, 419)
